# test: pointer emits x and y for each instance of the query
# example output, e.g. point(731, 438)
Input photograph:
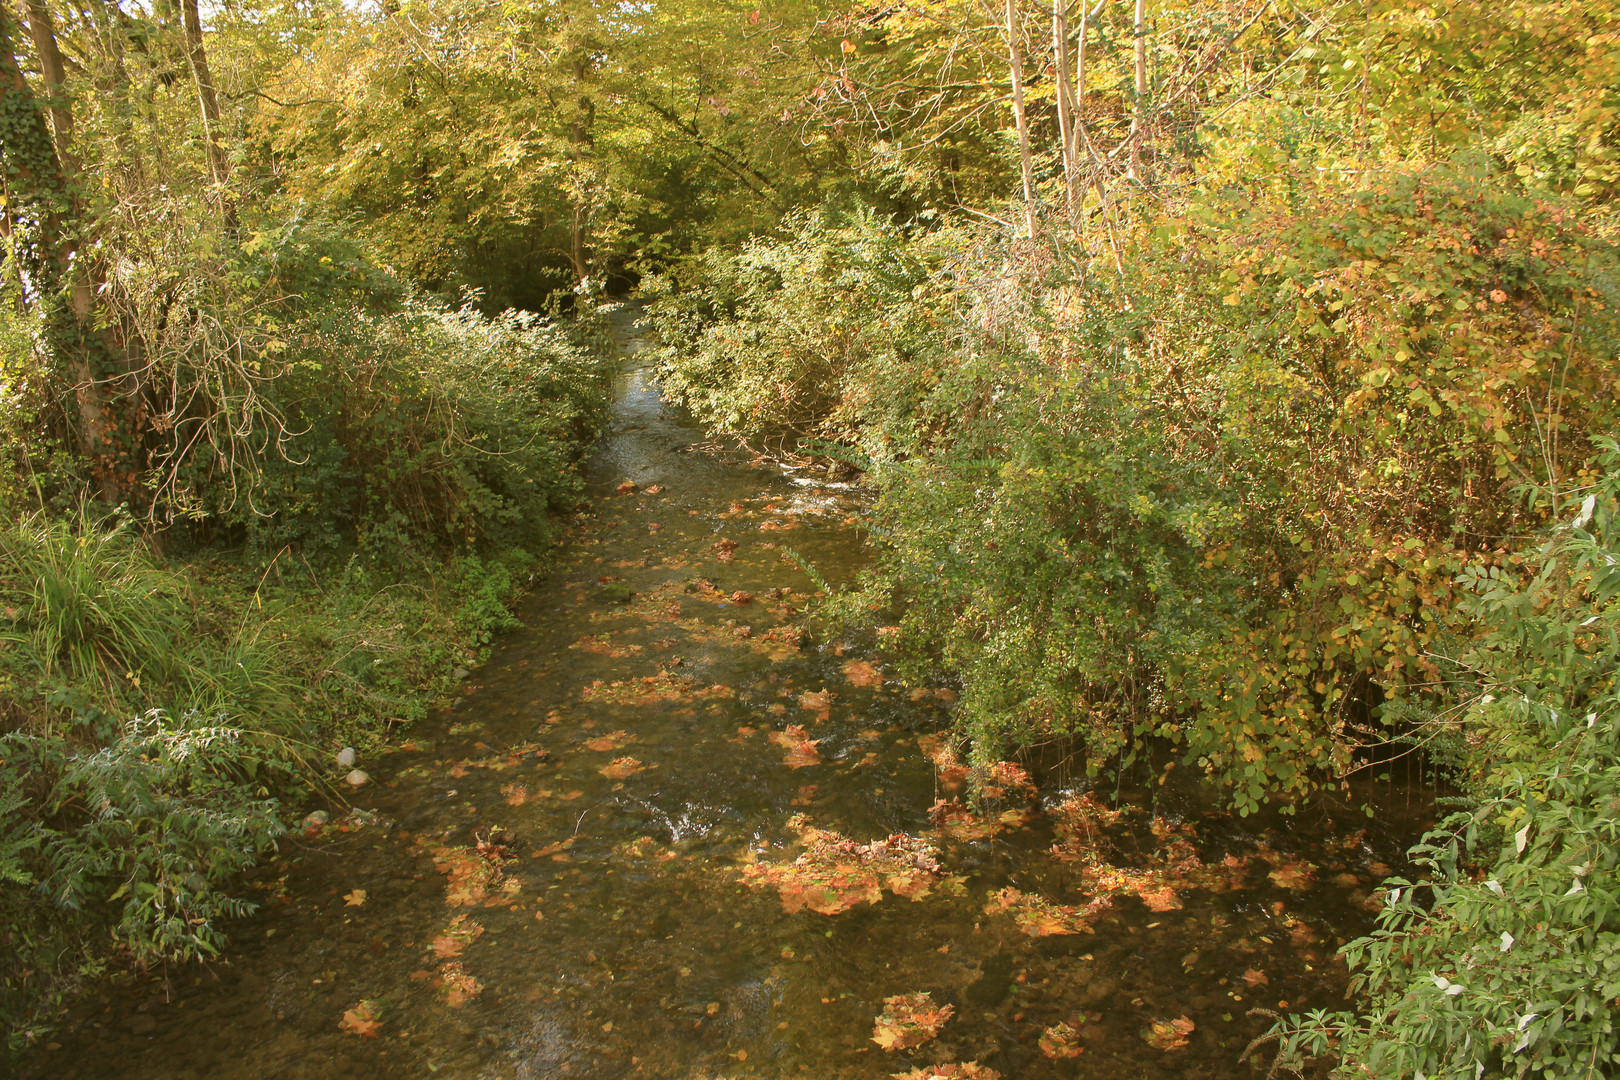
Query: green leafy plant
point(1504, 957)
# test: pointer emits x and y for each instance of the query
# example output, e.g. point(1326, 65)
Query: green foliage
point(829, 330)
point(143, 834)
point(1504, 958)
point(426, 429)
point(1220, 498)
point(93, 630)
point(518, 150)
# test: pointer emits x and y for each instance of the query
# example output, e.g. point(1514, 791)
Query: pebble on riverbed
point(346, 758)
point(357, 778)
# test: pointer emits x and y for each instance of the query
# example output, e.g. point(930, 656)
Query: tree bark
point(1065, 107)
point(1015, 54)
point(39, 187)
point(1139, 107)
point(219, 164)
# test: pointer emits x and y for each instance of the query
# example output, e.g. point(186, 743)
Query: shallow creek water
point(640, 770)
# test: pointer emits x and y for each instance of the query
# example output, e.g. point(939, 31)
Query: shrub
point(1505, 958)
point(826, 332)
point(1221, 497)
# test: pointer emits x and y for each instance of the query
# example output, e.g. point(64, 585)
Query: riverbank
point(666, 832)
point(166, 702)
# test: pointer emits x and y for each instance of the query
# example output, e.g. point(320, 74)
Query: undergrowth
point(168, 698)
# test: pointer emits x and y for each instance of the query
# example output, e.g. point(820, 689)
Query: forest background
point(1236, 378)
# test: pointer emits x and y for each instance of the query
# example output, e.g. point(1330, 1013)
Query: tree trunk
point(1067, 134)
point(50, 65)
point(40, 187)
point(581, 135)
point(219, 164)
point(1139, 108)
point(1015, 53)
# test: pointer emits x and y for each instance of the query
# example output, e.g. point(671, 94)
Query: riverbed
point(671, 829)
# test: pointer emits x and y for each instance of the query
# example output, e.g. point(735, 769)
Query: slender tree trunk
point(1015, 55)
point(1099, 167)
point(39, 188)
point(581, 135)
point(43, 33)
point(1066, 108)
point(219, 164)
point(1139, 108)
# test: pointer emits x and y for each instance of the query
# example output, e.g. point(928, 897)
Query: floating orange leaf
point(909, 1020)
point(861, 673)
point(621, 768)
point(802, 751)
point(956, 1070)
point(610, 742)
point(957, 821)
point(364, 1020)
point(1297, 876)
point(456, 985)
point(819, 703)
point(458, 935)
point(1255, 977)
point(1168, 1034)
point(1039, 917)
point(1061, 1041)
point(834, 874)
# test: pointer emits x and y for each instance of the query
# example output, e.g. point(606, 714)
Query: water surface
point(578, 870)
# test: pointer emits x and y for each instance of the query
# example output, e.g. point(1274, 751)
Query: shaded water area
point(665, 833)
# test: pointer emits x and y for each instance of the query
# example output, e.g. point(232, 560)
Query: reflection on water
point(578, 870)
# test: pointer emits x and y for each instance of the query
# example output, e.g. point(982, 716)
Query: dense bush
point(300, 394)
point(358, 480)
point(1504, 958)
point(829, 331)
point(1221, 498)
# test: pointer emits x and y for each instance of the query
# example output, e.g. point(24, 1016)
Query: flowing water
point(586, 867)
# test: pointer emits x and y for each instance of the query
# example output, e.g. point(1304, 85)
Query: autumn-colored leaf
point(1255, 977)
point(469, 875)
point(1159, 897)
point(461, 932)
point(364, 1020)
point(956, 1070)
point(357, 898)
point(456, 985)
point(819, 703)
point(861, 673)
point(834, 874)
point(621, 768)
point(1002, 777)
point(625, 488)
point(1039, 917)
point(1297, 876)
point(610, 742)
point(1168, 1034)
point(1060, 1041)
point(909, 1020)
point(802, 751)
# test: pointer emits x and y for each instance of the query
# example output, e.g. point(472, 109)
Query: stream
point(665, 832)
